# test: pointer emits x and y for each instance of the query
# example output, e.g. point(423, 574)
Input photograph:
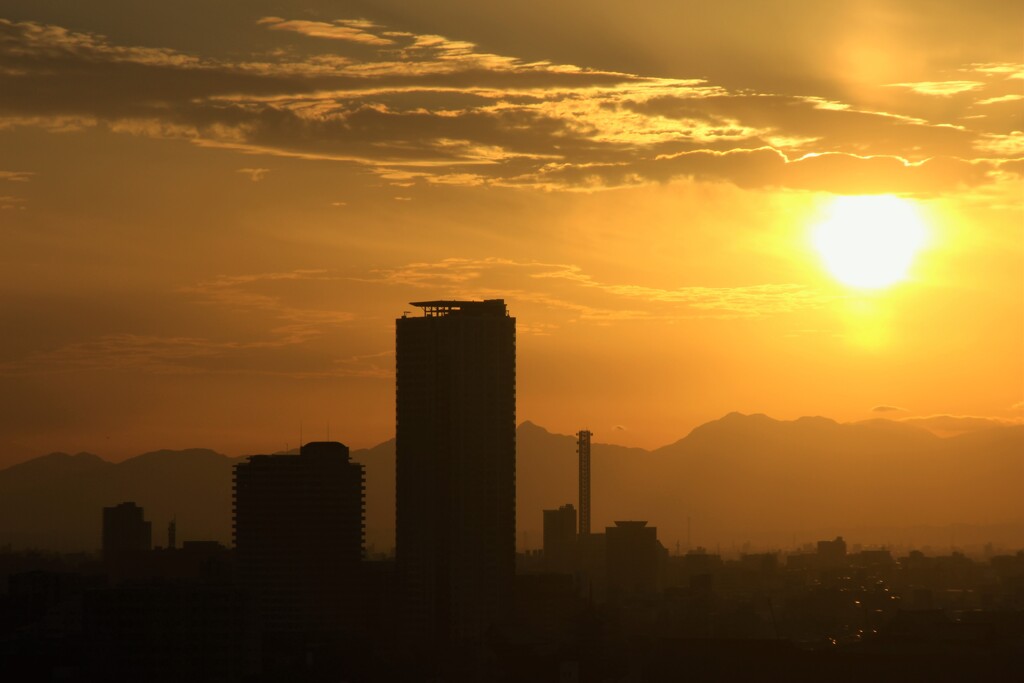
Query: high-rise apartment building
point(456, 463)
point(298, 528)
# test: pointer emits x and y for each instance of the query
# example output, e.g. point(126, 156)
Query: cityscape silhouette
point(298, 597)
point(555, 342)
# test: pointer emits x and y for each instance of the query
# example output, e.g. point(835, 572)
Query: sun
point(870, 241)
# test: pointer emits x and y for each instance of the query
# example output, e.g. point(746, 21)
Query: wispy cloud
point(8, 202)
point(16, 176)
point(426, 109)
point(255, 174)
point(951, 425)
point(354, 31)
point(185, 356)
point(1000, 99)
point(940, 88)
point(295, 324)
point(287, 325)
point(567, 284)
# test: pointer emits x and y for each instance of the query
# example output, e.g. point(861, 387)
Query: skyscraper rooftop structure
point(298, 528)
point(456, 463)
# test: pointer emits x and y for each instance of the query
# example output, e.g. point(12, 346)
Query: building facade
point(560, 539)
point(125, 530)
point(635, 558)
point(298, 531)
point(456, 459)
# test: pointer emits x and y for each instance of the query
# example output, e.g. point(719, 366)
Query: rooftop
point(440, 308)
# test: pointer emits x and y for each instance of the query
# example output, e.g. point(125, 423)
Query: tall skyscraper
point(299, 536)
point(456, 461)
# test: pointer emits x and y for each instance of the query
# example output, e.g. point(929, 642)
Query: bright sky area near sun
point(212, 212)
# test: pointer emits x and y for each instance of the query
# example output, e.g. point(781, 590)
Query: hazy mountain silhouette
point(55, 501)
point(752, 478)
point(740, 478)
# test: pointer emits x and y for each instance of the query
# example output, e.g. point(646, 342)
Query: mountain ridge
point(741, 477)
point(907, 426)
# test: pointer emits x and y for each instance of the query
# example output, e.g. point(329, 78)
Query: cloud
point(255, 174)
point(1007, 69)
point(1002, 98)
point(351, 31)
point(8, 202)
point(568, 287)
point(940, 88)
point(16, 176)
point(426, 109)
point(952, 425)
point(1011, 145)
point(171, 355)
point(379, 365)
point(888, 409)
point(120, 352)
point(284, 345)
point(294, 322)
point(768, 167)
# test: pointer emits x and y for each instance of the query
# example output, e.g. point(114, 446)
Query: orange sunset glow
point(211, 215)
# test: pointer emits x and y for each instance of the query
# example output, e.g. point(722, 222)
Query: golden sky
point(212, 213)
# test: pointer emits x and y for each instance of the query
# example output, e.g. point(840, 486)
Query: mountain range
point(739, 480)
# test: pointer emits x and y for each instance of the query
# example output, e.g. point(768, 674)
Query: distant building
point(456, 464)
point(759, 563)
point(634, 559)
point(125, 531)
point(832, 554)
point(876, 559)
point(560, 539)
point(298, 530)
point(127, 538)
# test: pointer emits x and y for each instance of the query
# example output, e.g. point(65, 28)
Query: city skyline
point(777, 208)
point(571, 341)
